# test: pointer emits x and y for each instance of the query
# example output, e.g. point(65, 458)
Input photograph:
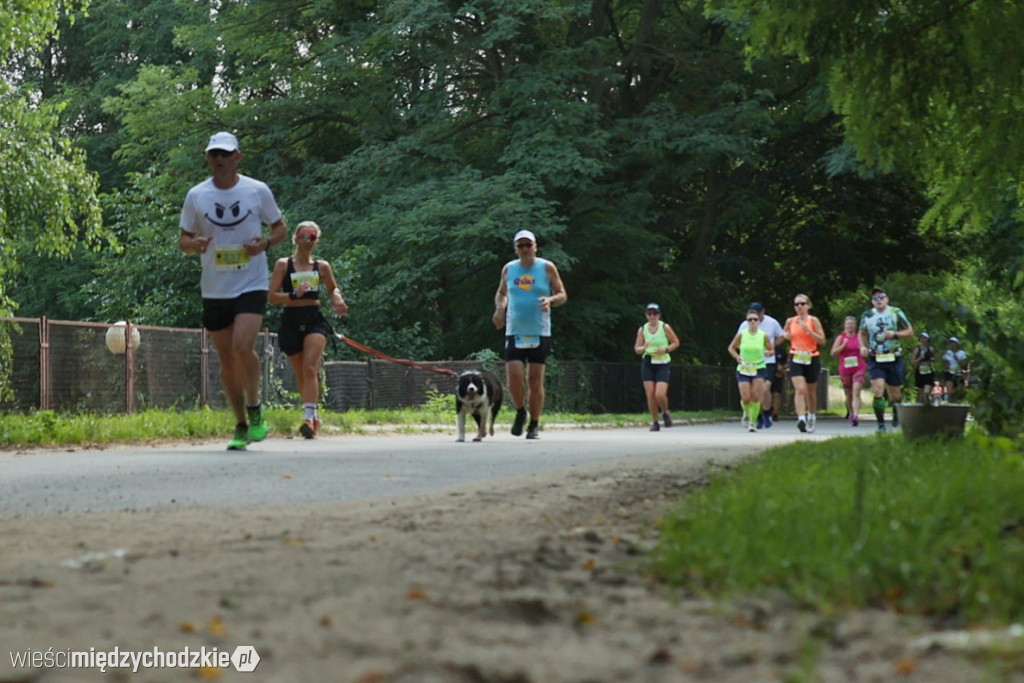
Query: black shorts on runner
point(296, 323)
point(650, 372)
point(809, 372)
point(890, 371)
point(219, 314)
point(538, 354)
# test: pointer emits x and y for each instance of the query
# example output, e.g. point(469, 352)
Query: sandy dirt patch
point(538, 579)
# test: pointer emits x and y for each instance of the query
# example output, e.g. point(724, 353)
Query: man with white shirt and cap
point(529, 288)
point(222, 222)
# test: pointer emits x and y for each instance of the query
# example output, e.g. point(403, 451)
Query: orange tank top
point(800, 340)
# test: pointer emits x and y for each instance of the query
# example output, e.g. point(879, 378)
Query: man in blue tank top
point(529, 288)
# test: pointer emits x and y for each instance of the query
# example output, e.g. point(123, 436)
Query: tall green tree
point(48, 197)
point(932, 88)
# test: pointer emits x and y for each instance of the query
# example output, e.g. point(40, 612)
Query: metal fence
point(69, 366)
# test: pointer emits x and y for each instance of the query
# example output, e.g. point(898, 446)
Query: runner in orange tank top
point(805, 334)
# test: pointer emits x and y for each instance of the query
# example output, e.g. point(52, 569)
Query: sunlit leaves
point(930, 87)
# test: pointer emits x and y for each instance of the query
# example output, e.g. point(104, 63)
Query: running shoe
point(533, 432)
point(316, 426)
point(881, 428)
point(241, 439)
point(751, 428)
point(854, 421)
point(655, 427)
point(895, 423)
point(667, 419)
point(801, 425)
point(517, 424)
point(257, 425)
point(760, 422)
point(308, 429)
point(812, 422)
point(768, 421)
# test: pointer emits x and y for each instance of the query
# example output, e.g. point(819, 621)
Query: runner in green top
point(881, 328)
point(748, 347)
point(655, 341)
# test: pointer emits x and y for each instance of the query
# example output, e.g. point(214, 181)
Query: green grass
point(50, 429)
point(932, 528)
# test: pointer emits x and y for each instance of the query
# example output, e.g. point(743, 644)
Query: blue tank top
point(525, 286)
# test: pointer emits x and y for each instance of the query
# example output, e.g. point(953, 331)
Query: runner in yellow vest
point(749, 347)
point(655, 341)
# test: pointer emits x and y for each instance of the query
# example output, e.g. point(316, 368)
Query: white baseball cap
point(524, 235)
point(223, 140)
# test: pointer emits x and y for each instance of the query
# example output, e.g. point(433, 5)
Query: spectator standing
point(958, 368)
point(924, 372)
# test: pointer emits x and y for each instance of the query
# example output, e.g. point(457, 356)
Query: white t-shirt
point(955, 360)
point(772, 329)
point(232, 217)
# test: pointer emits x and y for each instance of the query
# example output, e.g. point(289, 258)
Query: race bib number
point(747, 369)
point(885, 357)
point(311, 278)
point(802, 357)
point(523, 341)
point(230, 257)
point(925, 368)
point(660, 358)
point(851, 362)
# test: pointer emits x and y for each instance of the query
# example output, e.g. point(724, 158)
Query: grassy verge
point(47, 428)
point(933, 528)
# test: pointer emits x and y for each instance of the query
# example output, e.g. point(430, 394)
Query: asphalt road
point(341, 468)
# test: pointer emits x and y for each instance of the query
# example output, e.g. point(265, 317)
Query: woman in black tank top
point(297, 283)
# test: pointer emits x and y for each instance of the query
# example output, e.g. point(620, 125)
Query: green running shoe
point(257, 425)
point(241, 438)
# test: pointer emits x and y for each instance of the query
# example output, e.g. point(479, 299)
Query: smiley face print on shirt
point(227, 216)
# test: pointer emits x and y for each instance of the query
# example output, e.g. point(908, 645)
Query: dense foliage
point(422, 135)
point(48, 195)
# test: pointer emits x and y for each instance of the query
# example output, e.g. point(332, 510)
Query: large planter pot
point(920, 421)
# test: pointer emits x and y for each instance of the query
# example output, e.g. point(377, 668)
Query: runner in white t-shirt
point(222, 221)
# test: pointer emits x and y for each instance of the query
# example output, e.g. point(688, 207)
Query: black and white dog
point(478, 394)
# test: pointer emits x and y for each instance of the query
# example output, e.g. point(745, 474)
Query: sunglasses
point(878, 297)
point(524, 245)
point(306, 237)
point(652, 312)
point(800, 303)
point(217, 153)
point(753, 320)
